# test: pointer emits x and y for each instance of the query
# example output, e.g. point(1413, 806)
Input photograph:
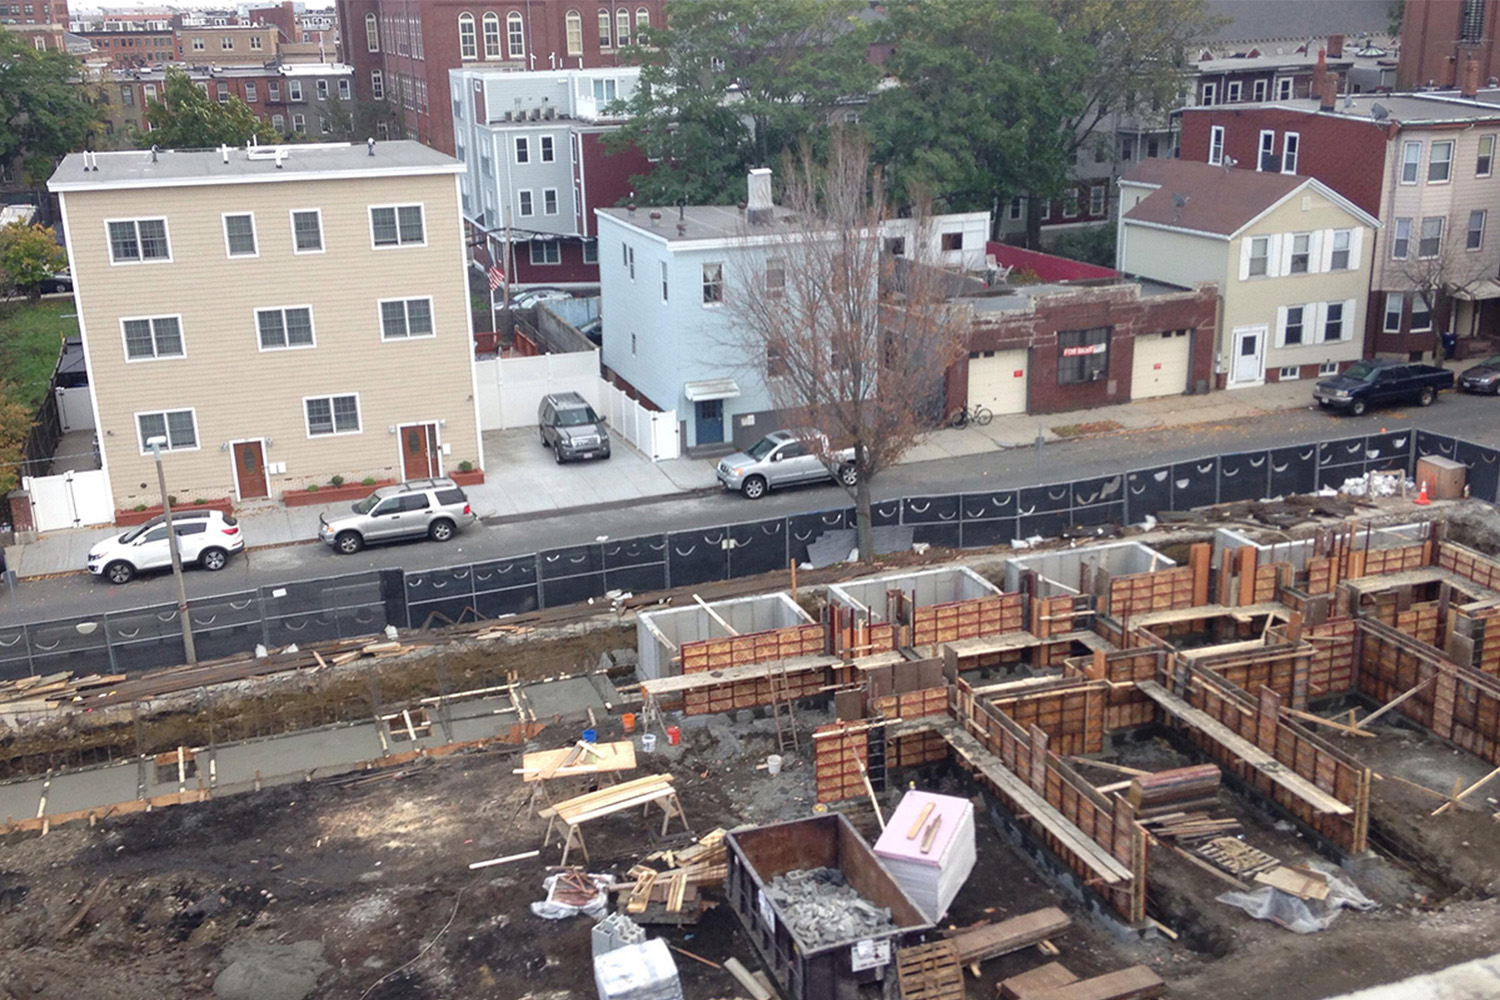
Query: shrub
point(138, 507)
point(367, 481)
point(466, 466)
point(201, 500)
point(312, 488)
point(336, 482)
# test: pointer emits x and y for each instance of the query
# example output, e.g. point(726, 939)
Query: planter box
point(130, 518)
point(474, 478)
point(331, 494)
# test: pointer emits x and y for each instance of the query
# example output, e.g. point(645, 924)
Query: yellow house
point(1291, 257)
point(281, 315)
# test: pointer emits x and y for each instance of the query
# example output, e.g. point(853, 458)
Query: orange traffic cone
point(1422, 499)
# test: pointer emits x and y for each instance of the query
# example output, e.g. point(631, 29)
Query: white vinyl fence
point(510, 390)
point(71, 500)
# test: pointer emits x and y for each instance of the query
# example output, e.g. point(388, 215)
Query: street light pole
point(166, 507)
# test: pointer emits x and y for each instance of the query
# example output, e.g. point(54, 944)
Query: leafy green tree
point(184, 117)
point(985, 95)
point(15, 425)
point(730, 84)
point(43, 113)
point(28, 256)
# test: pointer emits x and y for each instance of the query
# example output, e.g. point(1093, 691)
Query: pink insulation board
point(895, 844)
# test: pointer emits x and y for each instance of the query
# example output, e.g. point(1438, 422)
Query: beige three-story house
point(281, 315)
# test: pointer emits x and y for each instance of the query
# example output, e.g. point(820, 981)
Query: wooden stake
point(1460, 796)
point(696, 958)
point(714, 615)
point(921, 818)
point(870, 790)
point(1118, 768)
point(932, 832)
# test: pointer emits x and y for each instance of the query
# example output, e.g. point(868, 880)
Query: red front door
point(250, 470)
point(419, 451)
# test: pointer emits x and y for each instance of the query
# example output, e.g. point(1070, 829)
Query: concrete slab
point(89, 789)
point(297, 753)
point(19, 799)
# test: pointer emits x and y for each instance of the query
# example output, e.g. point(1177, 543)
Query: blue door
point(710, 421)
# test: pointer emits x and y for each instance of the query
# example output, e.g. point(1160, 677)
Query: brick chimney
point(1319, 75)
point(1328, 96)
point(1469, 83)
point(1335, 46)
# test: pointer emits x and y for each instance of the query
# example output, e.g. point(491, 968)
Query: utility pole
point(166, 506)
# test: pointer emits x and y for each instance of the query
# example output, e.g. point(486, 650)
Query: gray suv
point(571, 428)
point(433, 507)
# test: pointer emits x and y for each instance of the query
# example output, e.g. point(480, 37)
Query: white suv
point(205, 537)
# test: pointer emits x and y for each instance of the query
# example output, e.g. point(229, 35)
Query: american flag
point(497, 277)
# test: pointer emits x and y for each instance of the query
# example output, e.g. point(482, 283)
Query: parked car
point(1374, 383)
point(594, 330)
point(60, 281)
point(785, 458)
point(570, 427)
point(1483, 377)
point(206, 538)
point(436, 508)
point(536, 296)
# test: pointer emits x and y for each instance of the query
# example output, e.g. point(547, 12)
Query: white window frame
point(399, 244)
point(1312, 267)
point(1348, 250)
point(299, 123)
point(468, 37)
point(525, 203)
point(1469, 232)
point(257, 43)
point(664, 289)
point(1385, 315)
point(523, 149)
point(1433, 162)
point(251, 94)
point(294, 90)
point(278, 122)
point(1328, 368)
point(1400, 233)
point(1291, 149)
point(622, 27)
point(606, 29)
point(1283, 323)
point(1486, 159)
point(1015, 209)
point(155, 353)
point(490, 35)
point(549, 194)
point(716, 283)
point(1210, 95)
point(346, 90)
point(1414, 164)
point(515, 35)
point(628, 252)
point(1098, 196)
point(546, 149)
point(142, 259)
point(312, 329)
point(372, 33)
point(406, 319)
point(573, 32)
point(1421, 297)
point(1251, 257)
point(291, 218)
point(1265, 149)
point(1259, 89)
point(140, 437)
point(1442, 222)
point(1284, 90)
point(1216, 145)
point(1233, 90)
point(321, 88)
point(254, 236)
point(556, 246)
point(1345, 326)
point(591, 251)
point(333, 420)
point(1289, 373)
point(377, 85)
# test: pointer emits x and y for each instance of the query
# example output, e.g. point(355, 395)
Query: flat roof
point(1422, 108)
point(700, 222)
point(138, 168)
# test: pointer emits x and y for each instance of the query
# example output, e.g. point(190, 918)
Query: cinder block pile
point(643, 971)
point(616, 930)
point(821, 907)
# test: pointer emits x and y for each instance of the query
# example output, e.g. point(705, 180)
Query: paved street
point(1475, 418)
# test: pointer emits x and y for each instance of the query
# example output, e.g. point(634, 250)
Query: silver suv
point(570, 427)
point(432, 507)
point(784, 458)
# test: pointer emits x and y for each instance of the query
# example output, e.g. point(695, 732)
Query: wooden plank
point(1031, 985)
point(756, 990)
point(1319, 800)
point(978, 944)
point(1393, 703)
point(1135, 983)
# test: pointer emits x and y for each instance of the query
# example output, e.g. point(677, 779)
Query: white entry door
point(1247, 367)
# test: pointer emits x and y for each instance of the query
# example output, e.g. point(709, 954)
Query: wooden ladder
point(781, 700)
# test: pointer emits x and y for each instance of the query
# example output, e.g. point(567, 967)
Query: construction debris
point(987, 941)
point(643, 971)
point(821, 907)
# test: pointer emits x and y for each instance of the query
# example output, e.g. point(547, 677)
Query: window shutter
point(1356, 241)
point(1281, 326)
point(1313, 318)
point(1280, 257)
point(1325, 237)
point(1245, 245)
point(1349, 314)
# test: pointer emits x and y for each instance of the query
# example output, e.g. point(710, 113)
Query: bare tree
point(848, 344)
point(1442, 267)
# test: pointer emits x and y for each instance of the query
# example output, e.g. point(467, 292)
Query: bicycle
point(978, 415)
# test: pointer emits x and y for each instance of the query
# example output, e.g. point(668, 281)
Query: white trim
point(1234, 343)
point(462, 244)
point(1320, 188)
point(1452, 154)
point(1261, 150)
point(1385, 311)
point(358, 412)
point(1401, 163)
point(109, 246)
point(311, 325)
point(1491, 137)
point(280, 176)
point(239, 494)
point(291, 218)
point(1291, 143)
point(555, 202)
point(542, 142)
point(135, 423)
point(519, 141)
point(88, 354)
point(525, 206)
point(1213, 131)
point(1177, 229)
point(437, 437)
point(397, 207)
point(224, 218)
point(125, 344)
point(406, 318)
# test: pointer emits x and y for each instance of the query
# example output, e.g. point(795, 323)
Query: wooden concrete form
point(788, 643)
point(747, 686)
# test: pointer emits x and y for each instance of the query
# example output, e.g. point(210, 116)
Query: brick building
point(1437, 36)
point(44, 23)
point(402, 51)
point(131, 49)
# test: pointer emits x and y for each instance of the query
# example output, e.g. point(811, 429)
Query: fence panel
point(71, 500)
point(1244, 476)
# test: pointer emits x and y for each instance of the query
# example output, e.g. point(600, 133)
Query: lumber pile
point(1235, 856)
point(1055, 982)
point(1190, 827)
point(982, 942)
point(1179, 790)
point(674, 895)
point(39, 694)
point(1035, 983)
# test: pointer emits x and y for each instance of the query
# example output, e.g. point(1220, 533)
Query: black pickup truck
point(1373, 383)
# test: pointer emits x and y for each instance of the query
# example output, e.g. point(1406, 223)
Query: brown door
point(419, 451)
point(250, 469)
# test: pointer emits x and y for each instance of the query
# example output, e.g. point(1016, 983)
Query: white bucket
point(648, 743)
point(773, 764)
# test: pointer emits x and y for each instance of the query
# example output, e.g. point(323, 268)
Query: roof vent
point(760, 203)
point(224, 152)
point(153, 152)
point(370, 146)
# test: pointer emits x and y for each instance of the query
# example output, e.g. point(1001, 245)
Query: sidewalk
point(526, 483)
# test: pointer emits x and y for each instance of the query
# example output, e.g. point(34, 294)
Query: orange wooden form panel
point(755, 647)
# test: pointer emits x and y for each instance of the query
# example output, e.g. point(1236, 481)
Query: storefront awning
point(1474, 291)
point(712, 388)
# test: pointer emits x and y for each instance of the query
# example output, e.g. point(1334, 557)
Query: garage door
point(1161, 364)
point(997, 379)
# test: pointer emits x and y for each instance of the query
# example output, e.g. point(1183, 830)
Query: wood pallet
point(1235, 856)
point(930, 972)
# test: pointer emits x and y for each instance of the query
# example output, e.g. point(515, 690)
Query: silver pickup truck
point(784, 458)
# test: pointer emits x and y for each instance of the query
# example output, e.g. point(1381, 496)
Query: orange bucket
point(627, 722)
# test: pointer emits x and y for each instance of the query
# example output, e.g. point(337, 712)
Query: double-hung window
point(546, 252)
point(239, 234)
point(1432, 237)
point(150, 338)
point(1440, 162)
point(1301, 252)
point(664, 281)
point(1260, 256)
point(713, 284)
point(403, 319)
point(1268, 160)
point(547, 148)
point(133, 241)
point(1291, 144)
point(1400, 239)
point(1484, 163)
point(1338, 259)
point(179, 427)
point(397, 225)
point(549, 201)
point(523, 149)
point(332, 415)
point(280, 329)
point(1421, 313)
point(1411, 161)
point(1475, 239)
point(1395, 304)
point(1333, 321)
point(525, 203)
point(307, 230)
point(1216, 144)
point(1296, 323)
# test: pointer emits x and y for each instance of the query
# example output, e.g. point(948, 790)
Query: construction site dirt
point(358, 887)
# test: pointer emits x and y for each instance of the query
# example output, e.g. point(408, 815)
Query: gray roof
point(1405, 109)
point(699, 222)
point(1256, 20)
point(138, 168)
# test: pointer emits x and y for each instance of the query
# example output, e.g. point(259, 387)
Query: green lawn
point(30, 338)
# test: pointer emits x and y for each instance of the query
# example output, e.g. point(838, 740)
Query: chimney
point(1469, 86)
point(1335, 46)
point(760, 204)
point(1329, 97)
point(1319, 74)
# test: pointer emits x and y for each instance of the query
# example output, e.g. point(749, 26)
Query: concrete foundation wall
point(659, 634)
point(1066, 567)
point(927, 587)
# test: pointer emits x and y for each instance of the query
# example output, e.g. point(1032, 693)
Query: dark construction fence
point(141, 639)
